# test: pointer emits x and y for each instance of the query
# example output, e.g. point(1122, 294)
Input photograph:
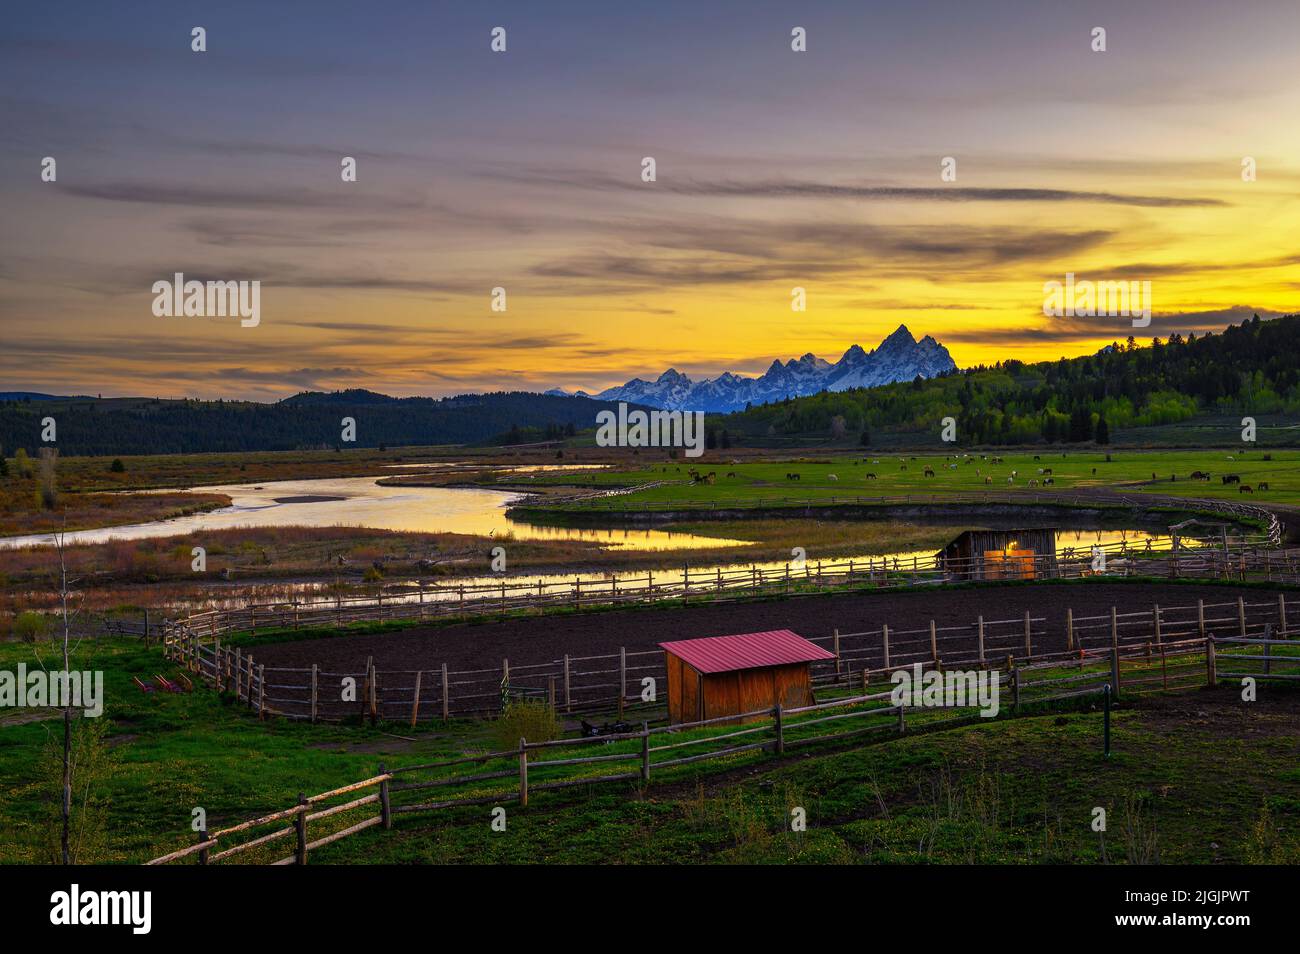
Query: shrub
point(47, 491)
point(30, 626)
point(526, 719)
point(95, 762)
point(117, 466)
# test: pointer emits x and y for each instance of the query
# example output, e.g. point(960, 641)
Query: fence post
point(980, 626)
point(568, 697)
point(1241, 616)
point(622, 678)
point(645, 752)
point(314, 669)
point(216, 662)
point(884, 636)
point(1015, 690)
point(1114, 635)
point(1106, 694)
point(1200, 618)
point(1069, 630)
point(523, 772)
point(1029, 648)
point(1268, 649)
point(446, 694)
point(1155, 616)
point(300, 826)
point(374, 694)
point(261, 691)
point(1211, 665)
point(836, 646)
point(780, 729)
point(934, 644)
point(239, 671)
point(385, 807)
point(1281, 616)
point(415, 700)
point(248, 679)
point(1114, 670)
point(203, 852)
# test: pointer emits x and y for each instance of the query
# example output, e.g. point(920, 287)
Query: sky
point(522, 170)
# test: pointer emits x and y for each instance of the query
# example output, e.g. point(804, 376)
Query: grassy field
point(1129, 471)
point(1011, 792)
point(1197, 777)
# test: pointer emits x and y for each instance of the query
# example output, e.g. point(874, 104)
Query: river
point(361, 502)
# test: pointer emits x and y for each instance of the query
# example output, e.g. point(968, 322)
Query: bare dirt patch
point(541, 639)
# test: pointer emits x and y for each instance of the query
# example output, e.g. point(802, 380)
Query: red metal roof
point(777, 647)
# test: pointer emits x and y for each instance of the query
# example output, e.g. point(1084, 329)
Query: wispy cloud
point(803, 189)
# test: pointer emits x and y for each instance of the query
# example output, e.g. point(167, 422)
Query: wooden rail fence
point(440, 601)
point(1130, 666)
point(616, 681)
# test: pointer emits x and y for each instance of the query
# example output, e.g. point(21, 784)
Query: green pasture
point(921, 797)
point(1126, 471)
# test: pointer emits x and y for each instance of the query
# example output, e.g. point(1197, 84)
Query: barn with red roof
point(719, 676)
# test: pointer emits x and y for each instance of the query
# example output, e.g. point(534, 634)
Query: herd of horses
point(1045, 477)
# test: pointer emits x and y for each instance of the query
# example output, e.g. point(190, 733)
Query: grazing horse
point(871, 476)
point(1231, 479)
point(1245, 489)
point(929, 472)
point(1262, 485)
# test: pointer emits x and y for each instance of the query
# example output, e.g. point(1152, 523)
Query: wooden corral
point(724, 675)
point(1000, 554)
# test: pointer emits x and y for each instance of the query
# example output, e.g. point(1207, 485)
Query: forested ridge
point(1252, 368)
point(124, 426)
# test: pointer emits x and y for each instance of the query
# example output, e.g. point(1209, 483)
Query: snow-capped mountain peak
point(899, 357)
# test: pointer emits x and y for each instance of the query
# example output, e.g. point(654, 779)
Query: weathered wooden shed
point(725, 675)
point(1001, 554)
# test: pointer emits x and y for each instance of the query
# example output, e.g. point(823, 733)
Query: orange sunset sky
point(522, 169)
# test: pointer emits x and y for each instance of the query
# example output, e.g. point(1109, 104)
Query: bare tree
point(66, 801)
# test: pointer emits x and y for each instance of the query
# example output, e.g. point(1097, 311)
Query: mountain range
point(900, 357)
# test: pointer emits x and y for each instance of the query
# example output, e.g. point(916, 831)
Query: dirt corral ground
point(523, 641)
